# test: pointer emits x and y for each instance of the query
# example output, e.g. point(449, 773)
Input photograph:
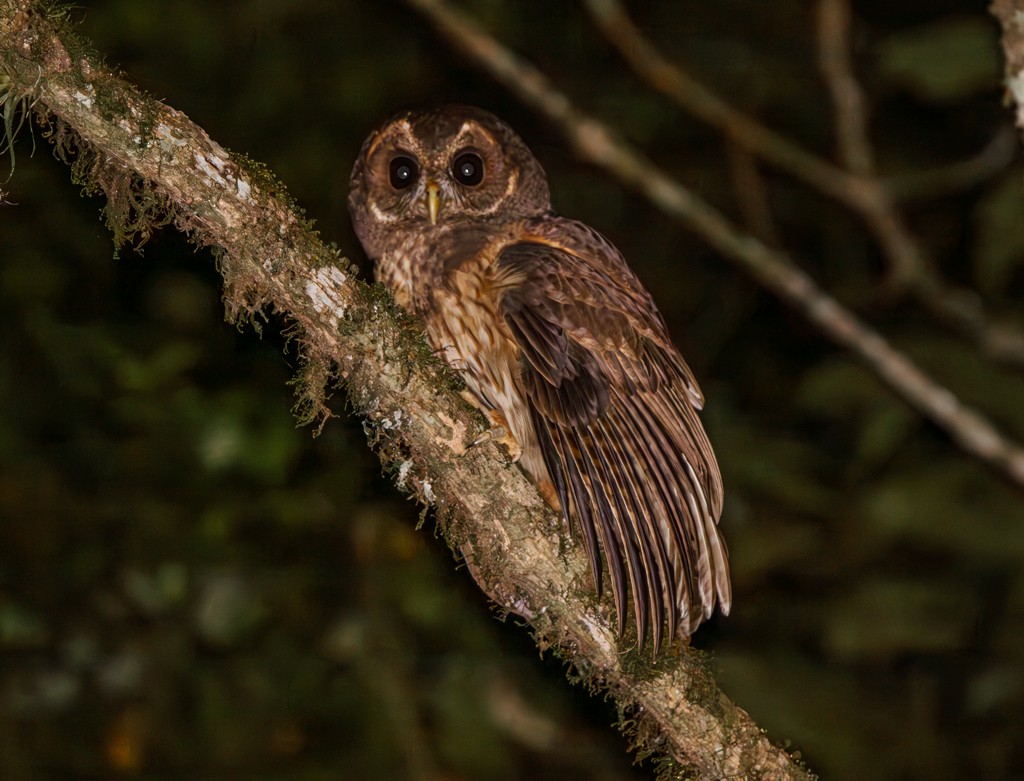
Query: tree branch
point(155, 166)
point(775, 271)
point(1010, 14)
point(860, 188)
point(848, 101)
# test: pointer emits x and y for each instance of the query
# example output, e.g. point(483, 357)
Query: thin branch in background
point(960, 307)
point(776, 271)
point(834, 23)
point(992, 159)
point(868, 195)
point(383, 671)
point(901, 249)
point(383, 665)
point(751, 194)
point(689, 94)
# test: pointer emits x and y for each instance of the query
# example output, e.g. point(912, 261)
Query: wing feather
point(614, 409)
point(637, 503)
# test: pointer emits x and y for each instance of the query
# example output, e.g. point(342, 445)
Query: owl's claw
point(499, 434)
point(496, 434)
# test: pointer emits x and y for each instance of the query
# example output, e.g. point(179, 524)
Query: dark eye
point(468, 169)
point(403, 171)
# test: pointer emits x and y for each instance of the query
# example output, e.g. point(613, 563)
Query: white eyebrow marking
point(513, 180)
point(402, 126)
point(382, 215)
point(469, 126)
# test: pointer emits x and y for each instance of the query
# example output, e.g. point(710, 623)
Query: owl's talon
point(499, 434)
point(495, 434)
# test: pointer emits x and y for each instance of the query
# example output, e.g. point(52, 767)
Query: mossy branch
point(156, 167)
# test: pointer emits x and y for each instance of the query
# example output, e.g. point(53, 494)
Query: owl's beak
point(433, 200)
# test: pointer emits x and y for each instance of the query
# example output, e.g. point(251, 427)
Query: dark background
point(193, 588)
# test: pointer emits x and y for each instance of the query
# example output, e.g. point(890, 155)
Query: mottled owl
point(560, 345)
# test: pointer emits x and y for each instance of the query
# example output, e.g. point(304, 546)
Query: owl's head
point(432, 168)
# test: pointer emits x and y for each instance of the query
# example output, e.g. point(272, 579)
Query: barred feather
point(613, 411)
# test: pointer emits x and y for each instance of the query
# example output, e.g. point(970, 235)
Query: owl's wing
point(614, 407)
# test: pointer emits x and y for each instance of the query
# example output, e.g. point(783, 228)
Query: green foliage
point(999, 242)
point(944, 61)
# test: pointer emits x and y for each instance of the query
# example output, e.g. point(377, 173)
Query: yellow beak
point(433, 201)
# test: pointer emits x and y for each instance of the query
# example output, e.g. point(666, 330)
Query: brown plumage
point(558, 343)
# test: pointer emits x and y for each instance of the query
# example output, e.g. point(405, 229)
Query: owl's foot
point(547, 490)
point(500, 434)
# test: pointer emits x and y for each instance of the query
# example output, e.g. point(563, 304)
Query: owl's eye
point(468, 169)
point(403, 171)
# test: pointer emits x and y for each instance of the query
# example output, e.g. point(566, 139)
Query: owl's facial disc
point(443, 180)
point(430, 170)
point(435, 171)
point(466, 169)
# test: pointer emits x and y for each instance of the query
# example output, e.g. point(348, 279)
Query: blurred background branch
point(855, 184)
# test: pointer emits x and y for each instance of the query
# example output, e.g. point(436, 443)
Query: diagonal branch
point(776, 271)
point(860, 188)
point(983, 165)
point(156, 166)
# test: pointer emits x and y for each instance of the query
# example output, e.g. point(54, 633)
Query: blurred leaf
point(774, 545)
point(943, 61)
point(227, 607)
point(155, 592)
point(992, 688)
point(999, 231)
point(37, 278)
point(147, 373)
point(840, 390)
point(887, 425)
point(837, 387)
point(235, 431)
point(773, 464)
point(19, 627)
point(940, 507)
point(800, 707)
point(883, 618)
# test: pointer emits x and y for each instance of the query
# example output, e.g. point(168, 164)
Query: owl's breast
point(418, 262)
point(406, 268)
point(465, 321)
point(449, 278)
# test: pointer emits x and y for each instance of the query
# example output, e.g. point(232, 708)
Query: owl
point(560, 346)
